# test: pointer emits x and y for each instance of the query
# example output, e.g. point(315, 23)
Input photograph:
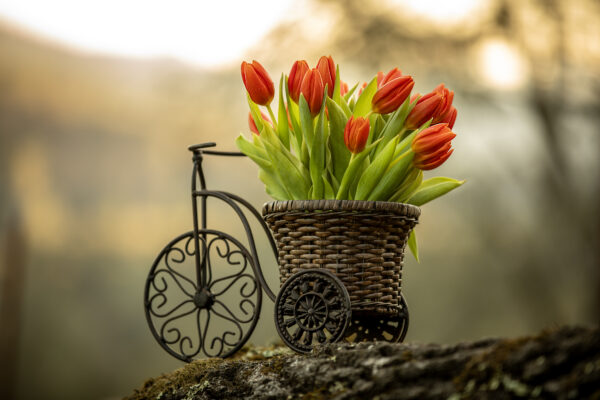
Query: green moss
point(188, 375)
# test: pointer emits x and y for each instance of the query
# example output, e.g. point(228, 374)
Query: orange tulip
point(449, 118)
point(312, 88)
point(258, 83)
point(252, 124)
point(363, 87)
point(326, 67)
point(343, 88)
point(356, 134)
point(383, 79)
point(392, 94)
point(424, 110)
point(432, 147)
point(446, 103)
point(299, 69)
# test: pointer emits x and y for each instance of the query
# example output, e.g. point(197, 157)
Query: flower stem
point(272, 117)
point(343, 190)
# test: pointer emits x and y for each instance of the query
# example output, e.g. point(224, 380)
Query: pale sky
point(205, 33)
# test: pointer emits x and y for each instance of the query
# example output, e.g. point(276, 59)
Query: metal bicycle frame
point(233, 201)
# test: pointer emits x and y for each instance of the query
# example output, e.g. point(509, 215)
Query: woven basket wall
point(362, 242)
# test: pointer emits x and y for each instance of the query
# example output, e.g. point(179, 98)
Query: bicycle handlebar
point(197, 148)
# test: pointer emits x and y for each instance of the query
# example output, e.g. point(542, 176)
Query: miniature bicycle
point(194, 307)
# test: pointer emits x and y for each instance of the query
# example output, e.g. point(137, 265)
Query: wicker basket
point(361, 242)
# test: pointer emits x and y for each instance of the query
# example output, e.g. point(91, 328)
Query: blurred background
point(99, 101)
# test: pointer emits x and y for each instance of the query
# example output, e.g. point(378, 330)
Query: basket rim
point(403, 209)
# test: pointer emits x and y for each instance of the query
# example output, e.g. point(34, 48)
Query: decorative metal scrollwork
point(368, 327)
point(179, 299)
point(313, 307)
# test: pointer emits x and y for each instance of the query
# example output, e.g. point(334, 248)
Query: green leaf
point(273, 185)
point(254, 152)
point(355, 162)
point(363, 104)
point(346, 108)
point(306, 122)
point(433, 188)
point(293, 111)
point(337, 97)
point(282, 125)
point(290, 175)
point(375, 171)
point(408, 186)
point(267, 174)
point(268, 134)
point(412, 245)
point(340, 154)
point(256, 114)
point(350, 92)
point(328, 191)
point(392, 177)
point(377, 123)
point(317, 155)
point(359, 173)
point(394, 125)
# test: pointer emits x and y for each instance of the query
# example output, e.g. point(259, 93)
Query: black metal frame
point(326, 318)
point(196, 294)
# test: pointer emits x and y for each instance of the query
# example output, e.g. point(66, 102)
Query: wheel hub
point(311, 311)
point(204, 298)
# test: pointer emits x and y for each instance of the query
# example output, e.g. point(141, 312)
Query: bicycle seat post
point(197, 159)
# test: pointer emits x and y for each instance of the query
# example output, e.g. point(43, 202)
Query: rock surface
point(562, 363)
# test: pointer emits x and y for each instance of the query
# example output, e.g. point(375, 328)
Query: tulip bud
point(299, 69)
point(383, 79)
point(343, 88)
point(449, 118)
point(258, 83)
point(326, 67)
point(312, 88)
point(445, 104)
point(392, 94)
point(432, 147)
point(356, 134)
point(424, 110)
point(363, 87)
point(252, 124)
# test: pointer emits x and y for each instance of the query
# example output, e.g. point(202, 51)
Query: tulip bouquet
point(331, 142)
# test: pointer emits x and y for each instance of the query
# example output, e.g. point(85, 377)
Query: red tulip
point(312, 88)
point(258, 83)
point(299, 69)
point(392, 94)
point(356, 134)
point(343, 88)
point(446, 103)
point(383, 79)
point(424, 110)
point(326, 67)
point(449, 118)
point(432, 146)
point(363, 87)
point(252, 124)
